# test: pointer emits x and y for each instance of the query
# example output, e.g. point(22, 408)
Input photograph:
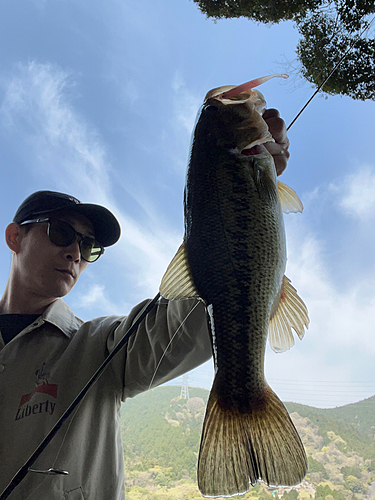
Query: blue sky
point(98, 99)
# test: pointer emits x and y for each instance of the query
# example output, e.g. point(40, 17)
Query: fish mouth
point(248, 86)
point(256, 148)
point(246, 94)
point(240, 92)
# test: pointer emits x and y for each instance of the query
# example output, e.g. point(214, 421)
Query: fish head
point(235, 122)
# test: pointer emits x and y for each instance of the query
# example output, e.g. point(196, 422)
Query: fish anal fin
point(238, 449)
point(177, 282)
point(290, 312)
point(290, 203)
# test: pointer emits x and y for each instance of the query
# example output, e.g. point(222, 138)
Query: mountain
point(360, 414)
point(161, 435)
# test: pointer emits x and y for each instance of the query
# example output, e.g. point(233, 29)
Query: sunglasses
point(63, 234)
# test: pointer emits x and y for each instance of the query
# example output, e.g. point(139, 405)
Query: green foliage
point(355, 441)
point(264, 495)
point(165, 478)
point(323, 492)
point(324, 41)
point(360, 414)
point(292, 495)
point(315, 466)
point(257, 10)
point(355, 485)
point(351, 471)
point(328, 29)
point(352, 12)
point(149, 439)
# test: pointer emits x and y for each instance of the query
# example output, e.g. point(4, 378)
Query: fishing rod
point(20, 475)
point(367, 27)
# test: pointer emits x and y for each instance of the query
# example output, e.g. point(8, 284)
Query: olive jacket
point(46, 365)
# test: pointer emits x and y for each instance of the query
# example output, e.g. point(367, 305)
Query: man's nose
point(73, 252)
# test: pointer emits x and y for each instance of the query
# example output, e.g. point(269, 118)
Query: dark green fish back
point(232, 229)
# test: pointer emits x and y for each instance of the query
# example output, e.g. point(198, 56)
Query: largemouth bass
point(233, 257)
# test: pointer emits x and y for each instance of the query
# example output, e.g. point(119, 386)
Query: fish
point(233, 258)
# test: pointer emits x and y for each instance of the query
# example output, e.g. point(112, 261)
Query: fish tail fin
point(238, 449)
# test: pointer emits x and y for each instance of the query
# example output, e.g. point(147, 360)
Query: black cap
point(43, 203)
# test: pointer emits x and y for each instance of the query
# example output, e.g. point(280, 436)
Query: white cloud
point(357, 193)
point(186, 104)
point(337, 316)
point(68, 154)
point(95, 297)
point(338, 347)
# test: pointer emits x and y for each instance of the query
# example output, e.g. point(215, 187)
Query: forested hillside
point(161, 434)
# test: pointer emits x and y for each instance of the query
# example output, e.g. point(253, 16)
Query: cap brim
point(106, 227)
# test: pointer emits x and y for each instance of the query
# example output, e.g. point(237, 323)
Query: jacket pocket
point(76, 494)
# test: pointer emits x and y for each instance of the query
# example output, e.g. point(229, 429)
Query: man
point(47, 354)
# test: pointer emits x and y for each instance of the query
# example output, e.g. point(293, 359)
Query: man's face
point(45, 269)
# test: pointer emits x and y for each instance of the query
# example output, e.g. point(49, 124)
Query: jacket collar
point(60, 315)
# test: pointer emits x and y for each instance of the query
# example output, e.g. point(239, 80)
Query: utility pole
point(185, 387)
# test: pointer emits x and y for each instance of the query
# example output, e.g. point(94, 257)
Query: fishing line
point(20, 475)
point(169, 343)
point(367, 27)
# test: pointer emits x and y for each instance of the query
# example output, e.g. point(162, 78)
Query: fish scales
point(229, 270)
point(233, 257)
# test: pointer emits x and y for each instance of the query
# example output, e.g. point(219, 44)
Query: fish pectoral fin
point(265, 185)
point(290, 313)
point(177, 282)
point(290, 203)
point(238, 449)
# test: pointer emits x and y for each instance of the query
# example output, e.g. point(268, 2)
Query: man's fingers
point(280, 156)
point(277, 128)
point(271, 113)
point(279, 148)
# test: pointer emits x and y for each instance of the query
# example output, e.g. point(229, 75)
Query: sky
point(98, 100)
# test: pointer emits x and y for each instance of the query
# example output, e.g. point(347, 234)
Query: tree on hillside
point(351, 471)
point(292, 495)
point(328, 29)
point(322, 492)
point(355, 485)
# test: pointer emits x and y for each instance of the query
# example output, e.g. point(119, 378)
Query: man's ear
point(13, 236)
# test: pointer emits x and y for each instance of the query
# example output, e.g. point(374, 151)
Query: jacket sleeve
point(173, 339)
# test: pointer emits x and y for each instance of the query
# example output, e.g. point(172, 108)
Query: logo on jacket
point(42, 386)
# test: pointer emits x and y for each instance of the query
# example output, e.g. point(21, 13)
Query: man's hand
point(279, 148)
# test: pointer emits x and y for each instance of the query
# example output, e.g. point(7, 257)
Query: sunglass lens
point(90, 249)
point(61, 233)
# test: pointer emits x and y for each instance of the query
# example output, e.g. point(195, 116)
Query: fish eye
point(211, 108)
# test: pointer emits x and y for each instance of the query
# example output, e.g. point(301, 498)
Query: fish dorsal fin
point(290, 203)
point(290, 313)
point(177, 282)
